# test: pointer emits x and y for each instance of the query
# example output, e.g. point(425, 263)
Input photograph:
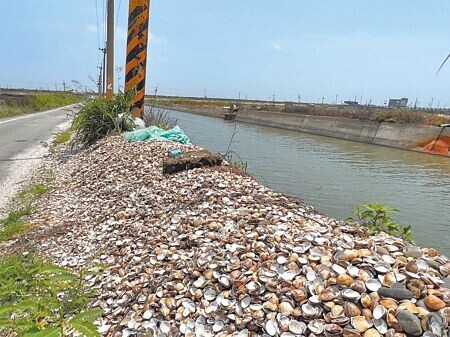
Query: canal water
point(336, 175)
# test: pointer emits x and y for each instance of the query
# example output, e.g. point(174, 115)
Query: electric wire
point(98, 27)
point(98, 31)
point(104, 20)
point(117, 15)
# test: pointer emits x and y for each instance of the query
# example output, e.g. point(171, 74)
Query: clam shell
point(297, 327)
point(361, 323)
point(351, 295)
point(380, 325)
point(352, 309)
point(373, 285)
point(271, 327)
point(379, 312)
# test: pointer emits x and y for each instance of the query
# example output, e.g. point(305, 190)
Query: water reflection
point(335, 175)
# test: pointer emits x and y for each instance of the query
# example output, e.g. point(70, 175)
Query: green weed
point(159, 117)
point(33, 192)
point(62, 137)
point(15, 223)
point(99, 117)
point(239, 165)
point(377, 218)
point(41, 299)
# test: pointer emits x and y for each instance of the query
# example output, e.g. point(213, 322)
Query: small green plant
point(15, 223)
point(100, 117)
point(33, 192)
point(238, 165)
point(62, 137)
point(41, 299)
point(377, 218)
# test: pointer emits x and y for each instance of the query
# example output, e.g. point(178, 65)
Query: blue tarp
point(155, 133)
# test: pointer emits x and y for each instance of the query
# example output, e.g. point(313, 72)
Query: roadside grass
point(37, 102)
point(16, 221)
point(38, 298)
point(62, 137)
point(34, 192)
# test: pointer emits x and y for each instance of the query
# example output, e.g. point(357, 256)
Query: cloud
point(276, 46)
point(91, 28)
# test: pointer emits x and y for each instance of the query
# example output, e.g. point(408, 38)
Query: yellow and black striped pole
point(138, 17)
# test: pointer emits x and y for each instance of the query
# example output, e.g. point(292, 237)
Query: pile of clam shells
point(212, 252)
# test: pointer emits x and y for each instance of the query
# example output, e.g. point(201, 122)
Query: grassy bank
point(13, 105)
point(378, 114)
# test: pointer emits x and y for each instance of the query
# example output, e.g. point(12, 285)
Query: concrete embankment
point(421, 138)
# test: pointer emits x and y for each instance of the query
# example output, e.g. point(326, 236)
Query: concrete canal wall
point(419, 138)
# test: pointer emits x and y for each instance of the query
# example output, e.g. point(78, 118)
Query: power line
point(104, 20)
point(117, 15)
point(98, 27)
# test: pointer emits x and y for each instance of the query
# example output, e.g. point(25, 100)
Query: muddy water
point(336, 175)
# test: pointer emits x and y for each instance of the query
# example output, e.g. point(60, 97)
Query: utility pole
point(110, 51)
point(64, 85)
point(299, 98)
point(239, 95)
point(335, 102)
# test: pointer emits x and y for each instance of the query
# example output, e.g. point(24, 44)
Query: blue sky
point(375, 49)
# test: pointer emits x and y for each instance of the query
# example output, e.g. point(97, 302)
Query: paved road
point(17, 134)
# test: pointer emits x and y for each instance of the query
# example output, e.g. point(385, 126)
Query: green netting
point(155, 133)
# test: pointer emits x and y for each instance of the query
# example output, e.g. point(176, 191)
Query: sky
point(260, 49)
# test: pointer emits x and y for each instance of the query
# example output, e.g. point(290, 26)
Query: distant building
point(398, 103)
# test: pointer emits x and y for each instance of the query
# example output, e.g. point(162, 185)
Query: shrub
point(100, 117)
point(377, 218)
